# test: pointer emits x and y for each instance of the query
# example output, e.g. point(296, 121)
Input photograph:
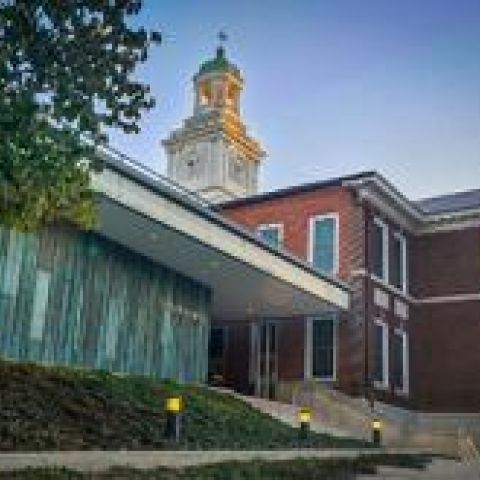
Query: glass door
point(264, 358)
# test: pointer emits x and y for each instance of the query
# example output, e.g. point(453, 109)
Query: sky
point(332, 87)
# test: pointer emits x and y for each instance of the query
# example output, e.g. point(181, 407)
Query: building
point(343, 282)
point(413, 268)
point(138, 294)
point(412, 333)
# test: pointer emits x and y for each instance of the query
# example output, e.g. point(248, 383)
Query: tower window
point(205, 94)
point(237, 171)
point(232, 95)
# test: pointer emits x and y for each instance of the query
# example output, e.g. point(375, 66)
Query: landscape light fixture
point(174, 408)
point(304, 417)
point(377, 432)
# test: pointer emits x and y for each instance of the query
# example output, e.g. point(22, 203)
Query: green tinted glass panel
point(75, 298)
point(324, 244)
point(271, 235)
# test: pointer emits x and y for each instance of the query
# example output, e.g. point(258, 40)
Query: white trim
point(383, 385)
point(380, 223)
point(454, 298)
point(308, 350)
point(406, 364)
point(378, 192)
point(401, 309)
point(403, 252)
point(269, 226)
point(363, 273)
point(381, 298)
point(336, 254)
point(452, 224)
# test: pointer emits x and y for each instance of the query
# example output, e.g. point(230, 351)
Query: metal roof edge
point(159, 184)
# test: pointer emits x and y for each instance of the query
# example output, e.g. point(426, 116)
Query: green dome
point(218, 64)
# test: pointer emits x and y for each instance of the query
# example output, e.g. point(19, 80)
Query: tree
point(66, 76)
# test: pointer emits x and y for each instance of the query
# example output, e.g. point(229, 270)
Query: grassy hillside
point(67, 409)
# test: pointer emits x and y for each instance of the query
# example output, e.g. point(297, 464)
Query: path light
point(377, 432)
point(304, 417)
point(174, 408)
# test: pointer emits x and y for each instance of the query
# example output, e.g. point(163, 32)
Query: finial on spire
point(222, 38)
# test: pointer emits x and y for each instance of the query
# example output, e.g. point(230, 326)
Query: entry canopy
point(159, 219)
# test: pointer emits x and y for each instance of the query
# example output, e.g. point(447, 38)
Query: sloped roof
point(451, 202)
point(304, 187)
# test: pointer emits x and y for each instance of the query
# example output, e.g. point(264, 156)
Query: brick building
point(412, 333)
point(414, 267)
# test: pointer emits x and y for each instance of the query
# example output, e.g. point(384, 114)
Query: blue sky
point(332, 86)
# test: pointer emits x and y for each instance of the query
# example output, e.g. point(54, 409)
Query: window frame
point(308, 348)
point(336, 254)
point(398, 236)
point(383, 385)
point(405, 363)
point(377, 221)
point(266, 226)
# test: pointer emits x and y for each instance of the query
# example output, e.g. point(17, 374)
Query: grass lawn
point(46, 408)
point(291, 470)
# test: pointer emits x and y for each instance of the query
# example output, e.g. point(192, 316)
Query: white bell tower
point(212, 154)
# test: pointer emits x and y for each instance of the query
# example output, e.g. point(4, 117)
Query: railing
point(468, 449)
point(162, 180)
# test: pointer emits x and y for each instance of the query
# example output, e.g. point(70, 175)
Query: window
point(272, 234)
point(400, 361)
point(324, 240)
point(321, 347)
point(399, 262)
point(380, 354)
point(380, 249)
point(217, 340)
point(216, 353)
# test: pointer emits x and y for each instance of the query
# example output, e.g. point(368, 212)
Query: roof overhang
point(381, 194)
point(153, 217)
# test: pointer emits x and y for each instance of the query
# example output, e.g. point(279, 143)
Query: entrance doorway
point(264, 358)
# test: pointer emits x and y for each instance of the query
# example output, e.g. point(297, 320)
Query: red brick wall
point(290, 347)
point(447, 263)
point(295, 212)
point(446, 357)
point(446, 335)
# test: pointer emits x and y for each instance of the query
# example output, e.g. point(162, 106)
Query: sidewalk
point(89, 461)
